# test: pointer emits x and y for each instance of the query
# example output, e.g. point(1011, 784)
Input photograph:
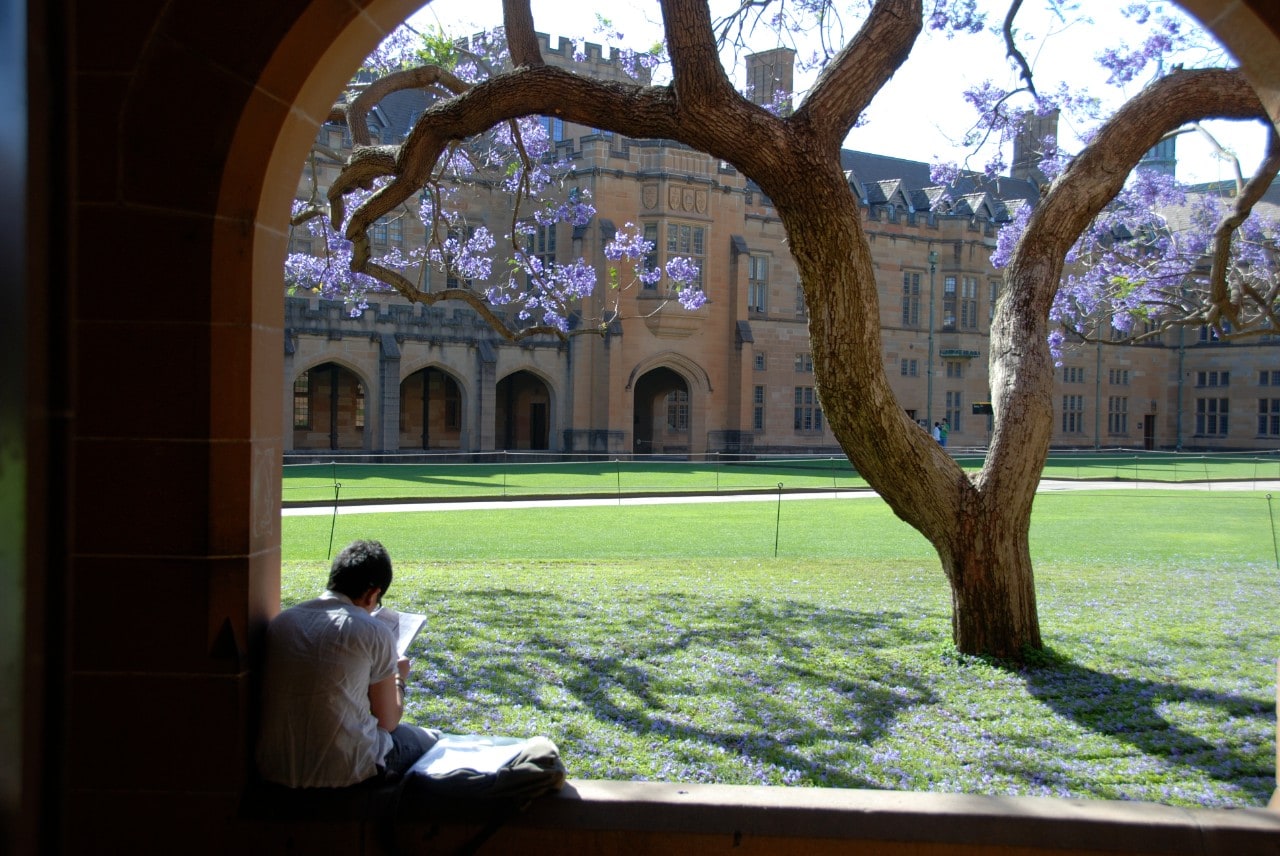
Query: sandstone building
point(735, 377)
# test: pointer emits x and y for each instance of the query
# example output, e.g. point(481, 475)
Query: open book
point(468, 752)
point(405, 626)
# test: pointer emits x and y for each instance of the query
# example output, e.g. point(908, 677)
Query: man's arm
point(386, 697)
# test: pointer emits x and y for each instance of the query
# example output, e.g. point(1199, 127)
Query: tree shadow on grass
point(1129, 710)
point(752, 713)
point(760, 681)
point(685, 686)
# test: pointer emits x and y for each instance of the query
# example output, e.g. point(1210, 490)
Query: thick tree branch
point(700, 109)
point(1219, 293)
point(538, 90)
point(522, 40)
point(1098, 173)
point(1020, 360)
point(421, 77)
point(698, 79)
point(854, 76)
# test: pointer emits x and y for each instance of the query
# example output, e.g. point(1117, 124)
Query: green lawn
point(311, 482)
point(362, 482)
point(1162, 466)
point(668, 643)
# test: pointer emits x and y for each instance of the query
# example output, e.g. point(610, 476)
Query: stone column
point(481, 430)
point(387, 437)
point(286, 414)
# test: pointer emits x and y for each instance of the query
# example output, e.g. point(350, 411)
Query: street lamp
point(928, 404)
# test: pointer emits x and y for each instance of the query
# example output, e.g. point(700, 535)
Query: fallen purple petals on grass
point(1159, 686)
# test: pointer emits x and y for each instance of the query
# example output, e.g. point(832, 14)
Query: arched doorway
point(661, 422)
point(522, 412)
point(430, 411)
point(329, 409)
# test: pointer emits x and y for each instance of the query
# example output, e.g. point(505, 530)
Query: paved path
point(1046, 486)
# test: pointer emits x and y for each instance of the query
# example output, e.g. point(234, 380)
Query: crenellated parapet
point(591, 59)
point(451, 323)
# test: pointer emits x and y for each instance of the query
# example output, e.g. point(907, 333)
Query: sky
point(921, 114)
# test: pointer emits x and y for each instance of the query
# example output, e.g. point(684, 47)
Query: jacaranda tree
point(479, 123)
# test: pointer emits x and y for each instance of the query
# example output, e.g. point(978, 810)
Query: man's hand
point(386, 697)
point(386, 702)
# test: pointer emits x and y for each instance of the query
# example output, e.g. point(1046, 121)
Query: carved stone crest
point(649, 196)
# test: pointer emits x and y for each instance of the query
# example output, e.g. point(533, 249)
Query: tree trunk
point(979, 524)
point(993, 595)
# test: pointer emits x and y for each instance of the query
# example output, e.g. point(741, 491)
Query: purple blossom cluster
point(630, 246)
point(1131, 264)
point(518, 159)
point(398, 50)
point(1145, 256)
point(1132, 270)
point(1008, 237)
point(328, 273)
point(683, 274)
point(465, 257)
point(944, 174)
point(990, 104)
point(543, 293)
point(1165, 37)
point(953, 17)
point(780, 103)
point(630, 60)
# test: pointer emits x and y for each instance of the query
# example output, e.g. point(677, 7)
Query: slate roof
point(877, 179)
point(1268, 207)
point(399, 110)
point(882, 179)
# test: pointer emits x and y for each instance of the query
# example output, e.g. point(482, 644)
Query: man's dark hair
point(361, 565)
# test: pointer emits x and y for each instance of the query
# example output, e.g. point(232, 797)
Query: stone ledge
point(951, 820)
point(664, 819)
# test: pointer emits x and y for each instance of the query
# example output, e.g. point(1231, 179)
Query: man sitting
point(333, 685)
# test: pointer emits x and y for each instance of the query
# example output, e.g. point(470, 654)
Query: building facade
point(736, 376)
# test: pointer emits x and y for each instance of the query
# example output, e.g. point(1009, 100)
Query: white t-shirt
point(317, 729)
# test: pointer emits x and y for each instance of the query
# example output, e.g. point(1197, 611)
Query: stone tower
point(1162, 157)
point(1028, 146)
point(770, 72)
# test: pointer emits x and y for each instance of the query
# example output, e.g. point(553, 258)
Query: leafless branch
point(860, 70)
point(1222, 153)
point(1011, 49)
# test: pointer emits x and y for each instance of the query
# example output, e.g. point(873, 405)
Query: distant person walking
point(943, 430)
point(937, 432)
